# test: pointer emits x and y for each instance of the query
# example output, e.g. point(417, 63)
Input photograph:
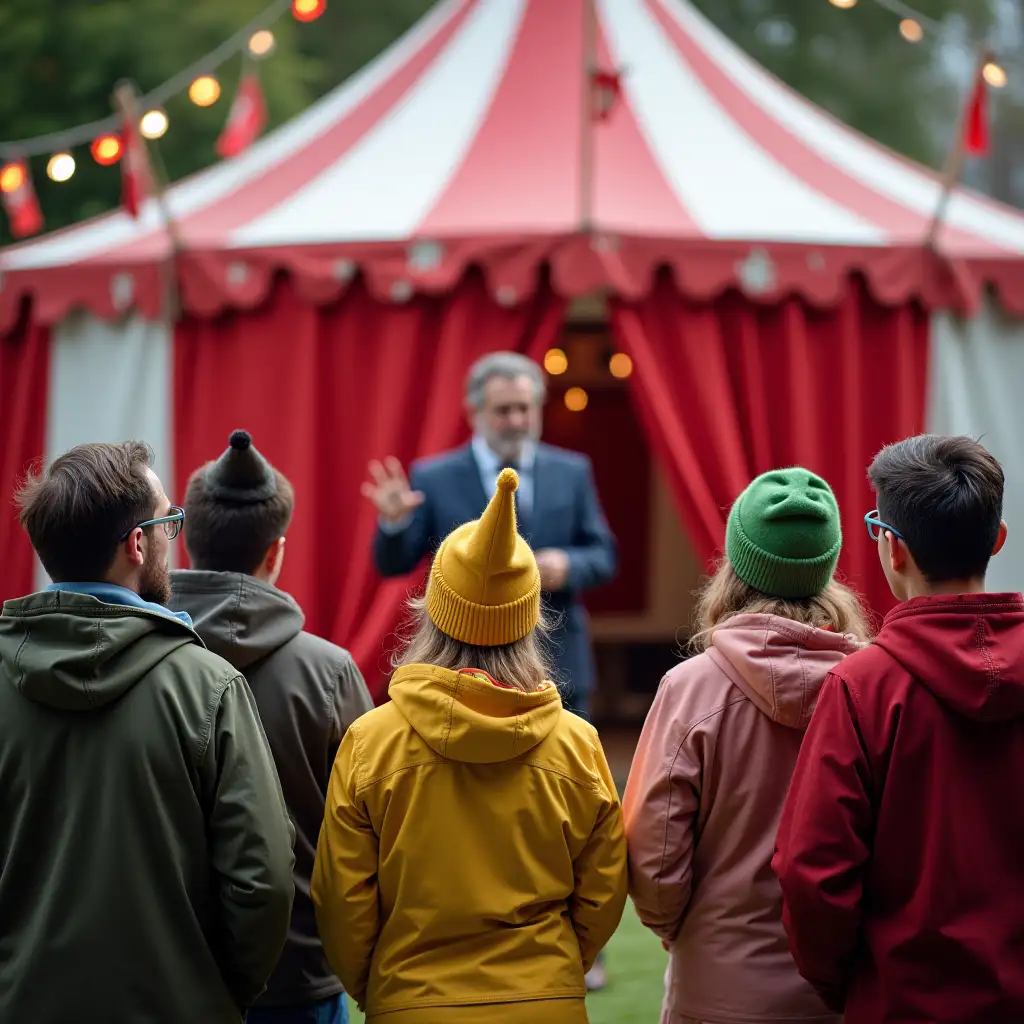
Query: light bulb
point(620, 365)
point(555, 361)
point(153, 124)
point(106, 150)
point(576, 399)
point(994, 74)
point(261, 42)
point(204, 91)
point(911, 30)
point(12, 177)
point(845, 4)
point(60, 167)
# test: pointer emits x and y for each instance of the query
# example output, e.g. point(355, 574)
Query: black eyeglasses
point(172, 523)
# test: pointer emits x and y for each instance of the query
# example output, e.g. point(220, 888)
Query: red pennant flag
point(247, 118)
point(136, 174)
point(19, 199)
point(976, 133)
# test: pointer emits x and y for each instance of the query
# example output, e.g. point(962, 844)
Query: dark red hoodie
point(901, 846)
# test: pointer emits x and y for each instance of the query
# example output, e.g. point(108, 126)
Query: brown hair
point(945, 496)
point(77, 511)
point(226, 536)
point(726, 595)
point(522, 664)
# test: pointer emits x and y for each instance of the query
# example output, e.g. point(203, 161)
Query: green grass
point(636, 971)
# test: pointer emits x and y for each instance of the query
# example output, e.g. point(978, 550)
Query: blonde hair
point(522, 664)
point(724, 595)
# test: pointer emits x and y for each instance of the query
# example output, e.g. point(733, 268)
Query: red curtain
point(324, 390)
point(24, 365)
point(729, 389)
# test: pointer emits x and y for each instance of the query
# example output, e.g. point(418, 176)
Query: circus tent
point(772, 273)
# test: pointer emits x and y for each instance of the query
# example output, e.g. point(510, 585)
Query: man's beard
point(510, 444)
point(155, 583)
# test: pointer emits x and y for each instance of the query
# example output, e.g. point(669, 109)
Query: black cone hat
point(241, 475)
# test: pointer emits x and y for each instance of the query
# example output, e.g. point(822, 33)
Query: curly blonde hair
point(725, 595)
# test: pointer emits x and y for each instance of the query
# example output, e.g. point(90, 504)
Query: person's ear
point(1000, 537)
point(135, 547)
point(275, 558)
point(897, 552)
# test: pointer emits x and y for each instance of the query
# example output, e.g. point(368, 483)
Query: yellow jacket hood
point(466, 717)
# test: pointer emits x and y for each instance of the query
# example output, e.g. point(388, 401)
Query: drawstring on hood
point(465, 717)
point(779, 664)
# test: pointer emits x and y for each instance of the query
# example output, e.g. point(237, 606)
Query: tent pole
point(954, 164)
point(588, 65)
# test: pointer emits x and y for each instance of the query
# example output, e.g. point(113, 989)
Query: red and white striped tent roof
point(466, 143)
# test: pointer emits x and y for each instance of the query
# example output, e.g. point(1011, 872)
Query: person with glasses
point(900, 847)
point(145, 843)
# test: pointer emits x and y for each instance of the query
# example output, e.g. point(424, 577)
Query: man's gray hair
point(509, 365)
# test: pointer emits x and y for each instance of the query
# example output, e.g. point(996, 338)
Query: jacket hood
point(968, 650)
point(76, 653)
point(779, 664)
point(238, 617)
point(465, 716)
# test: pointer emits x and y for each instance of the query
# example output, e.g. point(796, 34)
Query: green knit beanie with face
point(783, 536)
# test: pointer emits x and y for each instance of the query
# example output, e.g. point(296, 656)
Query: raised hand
point(390, 490)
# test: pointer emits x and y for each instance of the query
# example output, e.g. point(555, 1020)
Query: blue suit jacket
point(566, 514)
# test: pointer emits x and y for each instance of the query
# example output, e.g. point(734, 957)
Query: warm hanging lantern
point(106, 150)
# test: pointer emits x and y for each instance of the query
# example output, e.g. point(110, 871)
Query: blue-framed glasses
point(876, 526)
point(172, 523)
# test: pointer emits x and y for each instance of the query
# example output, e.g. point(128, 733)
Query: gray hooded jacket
point(308, 692)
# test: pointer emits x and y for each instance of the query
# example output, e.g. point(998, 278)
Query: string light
point(153, 124)
point(60, 167)
point(911, 30)
point(555, 361)
point(620, 365)
point(204, 91)
point(844, 4)
point(106, 150)
point(576, 399)
point(308, 10)
point(12, 177)
point(261, 42)
point(994, 74)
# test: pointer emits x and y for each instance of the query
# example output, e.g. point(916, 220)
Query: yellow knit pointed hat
point(484, 585)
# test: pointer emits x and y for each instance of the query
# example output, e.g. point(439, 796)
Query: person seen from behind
point(146, 870)
point(472, 862)
point(710, 773)
point(900, 848)
point(308, 692)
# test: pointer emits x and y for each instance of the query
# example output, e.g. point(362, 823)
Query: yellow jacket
point(472, 849)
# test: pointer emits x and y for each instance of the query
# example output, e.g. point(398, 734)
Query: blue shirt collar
point(110, 593)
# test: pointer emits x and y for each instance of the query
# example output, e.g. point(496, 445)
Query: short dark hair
point(77, 511)
point(945, 496)
point(227, 536)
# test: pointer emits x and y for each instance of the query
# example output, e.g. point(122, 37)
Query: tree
point(856, 65)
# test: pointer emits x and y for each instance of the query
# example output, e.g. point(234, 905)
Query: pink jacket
point(702, 808)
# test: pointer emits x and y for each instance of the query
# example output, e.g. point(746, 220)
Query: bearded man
point(147, 850)
point(557, 506)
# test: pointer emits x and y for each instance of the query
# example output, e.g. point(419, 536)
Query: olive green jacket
point(145, 850)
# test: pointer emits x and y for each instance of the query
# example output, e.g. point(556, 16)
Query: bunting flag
point(976, 127)
point(136, 174)
point(19, 199)
point(247, 119)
